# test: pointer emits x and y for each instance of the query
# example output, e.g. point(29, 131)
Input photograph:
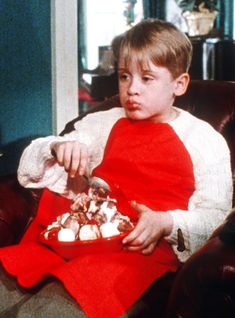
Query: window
point(105, 19)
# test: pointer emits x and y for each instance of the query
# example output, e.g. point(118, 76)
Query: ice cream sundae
point(92, 215)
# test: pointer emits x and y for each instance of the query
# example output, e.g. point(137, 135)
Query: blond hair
point(161, 43)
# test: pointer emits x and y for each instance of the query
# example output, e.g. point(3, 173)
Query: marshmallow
point(109, 229)
point(66, 235)
point(89, 232)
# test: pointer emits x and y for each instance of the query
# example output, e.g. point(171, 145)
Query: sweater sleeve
point(38, 168)
point(212, 198)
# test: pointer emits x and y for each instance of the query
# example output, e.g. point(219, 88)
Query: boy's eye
point(123, 76)
point(146, 78)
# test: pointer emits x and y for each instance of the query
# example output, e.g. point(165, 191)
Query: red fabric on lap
point(51, 205)
point(103, 284)
point(29, 262)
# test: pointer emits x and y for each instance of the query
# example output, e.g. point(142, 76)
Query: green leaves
point(190, 5)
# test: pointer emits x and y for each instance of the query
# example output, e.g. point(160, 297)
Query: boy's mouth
point(132, 105)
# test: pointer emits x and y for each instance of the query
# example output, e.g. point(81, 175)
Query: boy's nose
point(133, 88)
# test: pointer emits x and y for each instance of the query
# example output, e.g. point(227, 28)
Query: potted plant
point(199, 15)
point(193, 5)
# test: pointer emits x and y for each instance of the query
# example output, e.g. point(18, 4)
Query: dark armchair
point(205, 285)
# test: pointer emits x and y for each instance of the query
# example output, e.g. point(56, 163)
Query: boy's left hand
point(150, 228)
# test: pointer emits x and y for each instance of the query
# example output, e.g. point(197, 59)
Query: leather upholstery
point(205, 285)
point(17, 207)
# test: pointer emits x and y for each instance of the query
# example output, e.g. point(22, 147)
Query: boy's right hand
point(72, 155)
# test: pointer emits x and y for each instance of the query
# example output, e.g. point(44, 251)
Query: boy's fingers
point(72, 155)
point(68, 153)
point(75, 160)
point(59, 154)
point(149, 249)
point(83, 160)
point(140, 208)
point(136, 235)
point(78, 160)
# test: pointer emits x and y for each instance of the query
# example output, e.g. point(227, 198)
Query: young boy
point(172, 169)
point(153, 65)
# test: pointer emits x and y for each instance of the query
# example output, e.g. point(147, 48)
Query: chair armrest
point(17, 208)
point(6, 237)
point(204, 287)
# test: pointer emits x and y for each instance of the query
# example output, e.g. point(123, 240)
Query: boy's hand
point(72, 155)
point(150, 228)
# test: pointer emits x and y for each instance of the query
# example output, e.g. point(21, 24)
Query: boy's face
point(147, 94)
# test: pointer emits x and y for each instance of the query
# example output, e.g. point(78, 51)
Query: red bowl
point(70, 250)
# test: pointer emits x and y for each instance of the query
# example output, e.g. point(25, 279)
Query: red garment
point(149, 164)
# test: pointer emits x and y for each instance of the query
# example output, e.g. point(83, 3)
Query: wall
point(25, 77)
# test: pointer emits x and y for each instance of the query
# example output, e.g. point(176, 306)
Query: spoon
point(98, 183)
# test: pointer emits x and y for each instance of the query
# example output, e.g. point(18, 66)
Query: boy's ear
point(181, 84)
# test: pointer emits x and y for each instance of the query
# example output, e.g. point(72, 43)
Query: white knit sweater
point(210, 202)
